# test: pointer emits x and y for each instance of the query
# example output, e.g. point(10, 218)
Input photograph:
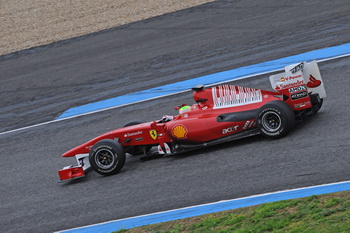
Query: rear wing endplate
point(301, 75)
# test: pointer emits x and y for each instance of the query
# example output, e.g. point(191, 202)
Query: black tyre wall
point(113, 151)
point(283, 114)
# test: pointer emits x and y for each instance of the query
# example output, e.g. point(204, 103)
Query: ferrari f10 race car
point(221, 113)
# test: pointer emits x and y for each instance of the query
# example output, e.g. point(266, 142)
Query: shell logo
point(179, 131)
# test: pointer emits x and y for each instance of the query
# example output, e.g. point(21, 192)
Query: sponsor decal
point(179, 131)
point(297, 89)
point(299, 95)
point(289, 85)
point(290, 78)
point(230, 129)
point(132, 134)
point(153, 134)
point(300, 105)
point(226, 96)
point(297, 68)
point(313, 83)
point(139, 139)
point(248, 124)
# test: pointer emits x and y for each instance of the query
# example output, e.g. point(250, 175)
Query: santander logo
point(313, 82)
point(289, 85)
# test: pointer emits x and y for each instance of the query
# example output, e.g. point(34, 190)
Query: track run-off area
point(40, 84)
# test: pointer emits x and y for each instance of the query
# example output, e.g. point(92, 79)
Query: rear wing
point(298, 82)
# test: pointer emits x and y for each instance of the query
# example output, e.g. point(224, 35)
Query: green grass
point(324, 213)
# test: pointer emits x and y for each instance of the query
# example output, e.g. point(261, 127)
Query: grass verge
point(323, 213)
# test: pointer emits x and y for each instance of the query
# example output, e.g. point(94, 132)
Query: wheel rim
point(105, 158)
point(271, 121)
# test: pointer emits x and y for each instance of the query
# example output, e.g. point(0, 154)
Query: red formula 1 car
point(221, 113)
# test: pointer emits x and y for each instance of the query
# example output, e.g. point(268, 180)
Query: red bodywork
point(219, 113)
point(198, 125)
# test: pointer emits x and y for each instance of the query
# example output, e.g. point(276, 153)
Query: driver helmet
point(184, 109)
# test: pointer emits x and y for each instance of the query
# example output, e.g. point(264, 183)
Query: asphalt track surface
point(39, 84)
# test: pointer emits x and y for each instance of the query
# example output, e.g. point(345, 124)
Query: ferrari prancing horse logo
point(153, 134)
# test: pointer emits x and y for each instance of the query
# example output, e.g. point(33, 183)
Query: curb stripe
point(193, 211)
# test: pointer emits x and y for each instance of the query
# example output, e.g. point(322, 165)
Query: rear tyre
point(275, 119)
point(107, 157)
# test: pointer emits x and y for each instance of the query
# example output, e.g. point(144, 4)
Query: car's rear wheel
point(275, 119)
point(107, 157)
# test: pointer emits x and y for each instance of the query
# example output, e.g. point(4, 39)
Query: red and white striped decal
point(226, 96)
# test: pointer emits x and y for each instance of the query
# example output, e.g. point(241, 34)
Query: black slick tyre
point(107, 157)
point(275, 119)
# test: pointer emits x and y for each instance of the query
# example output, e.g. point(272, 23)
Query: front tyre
point(107, 157)
point(275, 119)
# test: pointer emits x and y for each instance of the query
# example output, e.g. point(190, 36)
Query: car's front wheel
point(275, 119)
point(107, 157)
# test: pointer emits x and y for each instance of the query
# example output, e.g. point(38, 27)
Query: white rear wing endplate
point(301, 74)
